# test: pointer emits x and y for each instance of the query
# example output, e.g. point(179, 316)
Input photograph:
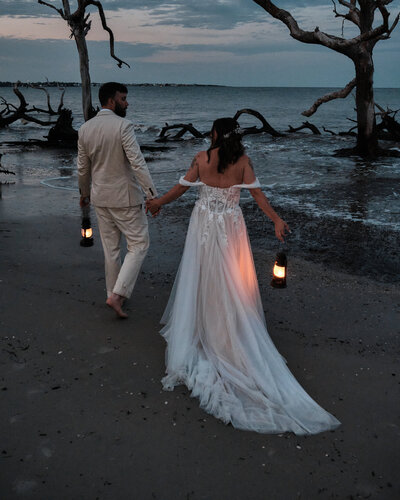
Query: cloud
point(215, 14)
point(190, 41)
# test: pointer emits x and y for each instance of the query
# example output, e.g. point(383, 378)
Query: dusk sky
point(226, 42)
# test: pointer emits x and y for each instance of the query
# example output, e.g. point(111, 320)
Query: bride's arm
point(155, 204)
point(263, 202)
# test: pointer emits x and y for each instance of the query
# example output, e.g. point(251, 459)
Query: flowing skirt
point(217, 340)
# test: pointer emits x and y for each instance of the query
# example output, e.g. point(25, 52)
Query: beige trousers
point(132, 223)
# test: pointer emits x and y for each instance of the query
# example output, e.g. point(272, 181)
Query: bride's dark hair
point(228, 141)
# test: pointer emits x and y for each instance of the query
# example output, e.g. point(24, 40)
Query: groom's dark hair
point(109, 89)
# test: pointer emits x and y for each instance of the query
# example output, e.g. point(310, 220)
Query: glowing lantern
point(280, 271)
point(86, 231)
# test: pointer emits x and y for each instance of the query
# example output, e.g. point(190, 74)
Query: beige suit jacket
point(111, 167)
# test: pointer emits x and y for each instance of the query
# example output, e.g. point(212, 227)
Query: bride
point(217, 340)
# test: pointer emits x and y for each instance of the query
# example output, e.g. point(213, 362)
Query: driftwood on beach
point(306, 124)
point(266, 127)
point(10, 113)
point(184, 127)
point(188, 127)
point(388, 128)
point(62, 134)
point(63, 130)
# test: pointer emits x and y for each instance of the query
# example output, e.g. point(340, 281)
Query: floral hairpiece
point(236, 131)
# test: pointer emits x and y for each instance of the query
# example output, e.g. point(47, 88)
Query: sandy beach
point(82, 412)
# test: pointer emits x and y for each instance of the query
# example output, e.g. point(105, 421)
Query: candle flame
point(87, 233)
point(279, 271)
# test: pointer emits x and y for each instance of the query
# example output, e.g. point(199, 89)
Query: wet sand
point(82, 413)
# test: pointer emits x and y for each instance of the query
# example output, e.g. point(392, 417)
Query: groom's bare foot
point(115, 301)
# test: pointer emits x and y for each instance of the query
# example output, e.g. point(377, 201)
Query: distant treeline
point(75, 84)
point(42, 84)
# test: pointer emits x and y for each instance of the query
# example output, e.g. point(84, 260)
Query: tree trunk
point(79, 35)
point(367, 139)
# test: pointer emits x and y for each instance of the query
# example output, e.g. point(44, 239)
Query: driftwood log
point(49, 109)
point(184, 127)
point(63, 132)
point(11, 113)
point(188, 127)
point(308, 125)
point(266, 127)
point(388, 128)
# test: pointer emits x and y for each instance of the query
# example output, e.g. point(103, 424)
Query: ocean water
point(298, 171)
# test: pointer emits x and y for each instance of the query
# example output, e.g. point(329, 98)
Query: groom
point(112, 174)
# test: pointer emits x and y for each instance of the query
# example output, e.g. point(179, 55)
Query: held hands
point(153, 206)
point(280, 229)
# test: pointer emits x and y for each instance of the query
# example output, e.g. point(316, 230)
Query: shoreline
point(83, 414)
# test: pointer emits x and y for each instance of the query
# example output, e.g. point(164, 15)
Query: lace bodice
point(217, 200)
point(215, 206)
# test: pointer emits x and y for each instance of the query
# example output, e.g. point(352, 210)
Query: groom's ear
point(111, 103)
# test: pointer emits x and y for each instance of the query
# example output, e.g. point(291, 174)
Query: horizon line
point(174, 84)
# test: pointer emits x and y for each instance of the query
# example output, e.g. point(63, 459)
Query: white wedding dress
point(217, 340)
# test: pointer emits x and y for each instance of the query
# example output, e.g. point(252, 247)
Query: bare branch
point(342, 45)
point(313, 37)
point(389, 32)
point(308, 125)
point(352, 5)
point(330, 97)
point(60, 11)
point(379, 107)
point(20, 96)
point(29, 118)
point(266, 127)
point(352, 15)
point(329, 131)
point(61, 105)
point(67, 8)
point(80, 11)
point(50, 109)
point(185, 127)
point(106, 28)
point(7, 105)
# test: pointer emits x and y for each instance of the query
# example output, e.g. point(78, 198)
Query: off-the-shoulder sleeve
point(253, 185)
point(184, 182)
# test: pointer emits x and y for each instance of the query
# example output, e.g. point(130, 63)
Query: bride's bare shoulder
point(244, 159)
point(202, 155)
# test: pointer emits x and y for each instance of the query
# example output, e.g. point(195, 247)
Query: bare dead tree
point(359, 49)
point(79, 23)
point(266, 127)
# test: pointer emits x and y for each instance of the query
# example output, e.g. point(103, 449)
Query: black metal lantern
point(279, 272)
point(86, 231)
